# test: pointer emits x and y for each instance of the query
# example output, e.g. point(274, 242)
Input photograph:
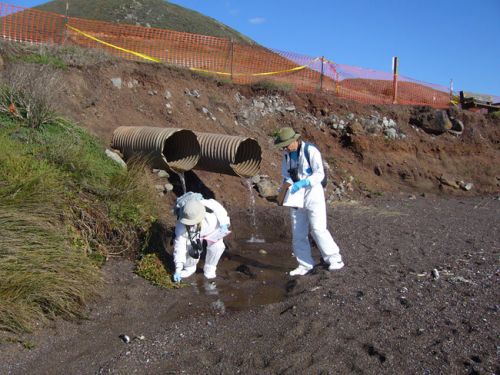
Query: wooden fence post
point(65, 22)
point(231, 61)
point(321, 76)
point(395, 80)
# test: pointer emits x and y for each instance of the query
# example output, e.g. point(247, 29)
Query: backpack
point(306, 154)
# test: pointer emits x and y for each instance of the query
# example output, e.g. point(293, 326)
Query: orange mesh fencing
point(240, 63)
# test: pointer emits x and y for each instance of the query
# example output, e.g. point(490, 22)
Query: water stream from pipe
point(183, 180)
point(254, 238)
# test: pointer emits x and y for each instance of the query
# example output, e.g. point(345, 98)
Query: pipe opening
point(167, 148)
point(247, 159)
point(181, 150)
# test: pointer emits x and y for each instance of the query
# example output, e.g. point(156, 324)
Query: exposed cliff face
point(369, 149)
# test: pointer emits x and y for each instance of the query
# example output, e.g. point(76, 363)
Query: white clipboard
point(294, 200)
point(215, 236)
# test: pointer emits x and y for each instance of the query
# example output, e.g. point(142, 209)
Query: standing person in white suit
point(201, 224)
point(302, 168)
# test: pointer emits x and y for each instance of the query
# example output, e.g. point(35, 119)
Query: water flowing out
point(254, 238)
point(183, 180)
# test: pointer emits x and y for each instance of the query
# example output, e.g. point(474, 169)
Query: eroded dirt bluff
point(370, 149)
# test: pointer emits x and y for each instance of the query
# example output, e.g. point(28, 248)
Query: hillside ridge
point(149, 13)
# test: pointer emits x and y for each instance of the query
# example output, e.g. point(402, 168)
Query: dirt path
point(385, 312)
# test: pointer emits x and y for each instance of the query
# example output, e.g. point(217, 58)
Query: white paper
point(294, 200)
point(215, 236)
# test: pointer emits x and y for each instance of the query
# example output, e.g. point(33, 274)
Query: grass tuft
point(152, 269)
point(65, 207)
point(42, 277)
point(272, 86)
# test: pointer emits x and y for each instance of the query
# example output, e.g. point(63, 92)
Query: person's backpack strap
point(306, 154)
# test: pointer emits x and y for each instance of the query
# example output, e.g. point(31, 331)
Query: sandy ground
point(419, 295)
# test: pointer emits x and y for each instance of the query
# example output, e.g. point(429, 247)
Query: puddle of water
point(254, 239)
point(254, 275)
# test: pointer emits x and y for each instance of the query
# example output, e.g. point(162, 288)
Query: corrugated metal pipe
point(229, 154)
point(167, 148)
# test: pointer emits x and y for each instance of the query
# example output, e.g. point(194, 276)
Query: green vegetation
point(64, 208)
point(55, 56)
point(155, 13)
point(152, 268)
point(42, 59)
point(272, 86)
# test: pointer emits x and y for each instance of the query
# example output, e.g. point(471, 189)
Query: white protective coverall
point(313, 215)
point(215, 217)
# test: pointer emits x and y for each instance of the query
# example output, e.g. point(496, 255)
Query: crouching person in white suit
point(201, 224)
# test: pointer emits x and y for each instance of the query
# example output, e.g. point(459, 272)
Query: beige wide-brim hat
point(285, 137)
point(193, 213)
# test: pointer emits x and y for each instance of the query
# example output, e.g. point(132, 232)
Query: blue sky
point(435, 40)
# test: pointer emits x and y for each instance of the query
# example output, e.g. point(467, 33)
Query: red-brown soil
point(395, 222)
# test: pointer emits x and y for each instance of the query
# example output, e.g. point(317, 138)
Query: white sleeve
point(219, 211)
point(180, 246)
point(316, 164)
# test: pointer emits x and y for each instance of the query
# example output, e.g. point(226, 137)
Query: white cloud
point(257, 20)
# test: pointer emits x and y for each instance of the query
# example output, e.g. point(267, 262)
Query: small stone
point(124, 338)
point(467, 186)
point(290, 108)
point(167, 94)
point(163, 174)
point(435, 274)
point(238, 97)
point(168, 187)
point(258, 104)
point(256, 179)
point(390, 133)
point(117, 82)
point(262, 252)
point(116, 158)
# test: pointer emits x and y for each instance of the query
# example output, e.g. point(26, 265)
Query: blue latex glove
point(177, 277)
point(224, 228)
point(299, 185)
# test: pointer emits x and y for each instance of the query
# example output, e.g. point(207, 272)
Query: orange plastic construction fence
point(240, 63)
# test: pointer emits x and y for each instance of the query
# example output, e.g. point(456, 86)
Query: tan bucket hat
point(285, 137)
point(193, 213)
